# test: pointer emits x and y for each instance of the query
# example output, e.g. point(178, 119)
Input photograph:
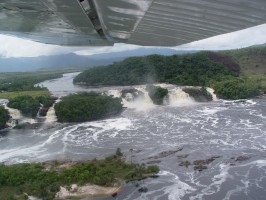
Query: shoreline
point(75, 179)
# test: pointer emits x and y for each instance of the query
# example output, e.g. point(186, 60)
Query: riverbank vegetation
point(43, 180)
point(4, 117)
point(157, 94)
point(25, 81)
point(207, 69)
point(199, 94)
point(86, 107)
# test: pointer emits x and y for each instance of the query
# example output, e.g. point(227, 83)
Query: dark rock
point(143, 189)
point(242, 158)
point(200, 167)
point(185, 163)
point(114, 194)
point(153, 162)
point(182, 156)
point(165, 154)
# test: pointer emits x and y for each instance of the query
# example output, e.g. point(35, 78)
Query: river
point(234, 132)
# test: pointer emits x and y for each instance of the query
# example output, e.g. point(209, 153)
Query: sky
point(16, 47)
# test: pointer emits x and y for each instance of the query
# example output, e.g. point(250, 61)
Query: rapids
point(234, 132)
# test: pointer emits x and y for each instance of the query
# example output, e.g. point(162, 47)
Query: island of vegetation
point(86, 107)
point(233, 74)
point(45, 180)
point(4, 117)
point(199, 94)
point(157, 94)
point(30, 106)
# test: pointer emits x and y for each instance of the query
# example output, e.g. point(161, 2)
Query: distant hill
point(72, 60)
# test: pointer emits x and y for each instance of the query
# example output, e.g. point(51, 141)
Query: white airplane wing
point(141, 22)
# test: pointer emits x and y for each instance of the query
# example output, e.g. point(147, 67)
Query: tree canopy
point(86, 107)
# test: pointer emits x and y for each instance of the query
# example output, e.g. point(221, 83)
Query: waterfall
point(17, 118)
point(142, 102)
point(114, 93)
point(50, 115)
point(138, 98)
point(178, 98)
point(211, 91)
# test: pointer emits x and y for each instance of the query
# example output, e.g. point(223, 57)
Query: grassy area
point(252, 62)
point(43, 180)
point(12, 95)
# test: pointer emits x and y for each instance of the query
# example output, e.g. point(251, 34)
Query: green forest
point(212, 69)
point(34, 179)
point(86, 107)
point(4, 117)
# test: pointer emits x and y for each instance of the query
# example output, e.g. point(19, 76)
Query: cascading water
point(17, 118)
point(212, 92)
point(177, 98)
point(50, 115)
point(142, 102)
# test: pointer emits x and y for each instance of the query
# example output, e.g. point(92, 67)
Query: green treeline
point(86, 107)
point(157, 94)
point(191, 69)
point(4, 117)
point(30, 106)
point(43, 180)
point(25, 81)
point(199, 69)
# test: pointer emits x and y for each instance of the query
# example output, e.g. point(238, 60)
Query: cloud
point(16, 47)
point(119, 47)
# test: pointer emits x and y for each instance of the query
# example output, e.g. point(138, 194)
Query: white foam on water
point(115, 93)
point(215, 186)
point(211, 111)
point(177, 189)
point(92, 131)
point(251, 102)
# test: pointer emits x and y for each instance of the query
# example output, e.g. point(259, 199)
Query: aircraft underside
point(140, 22)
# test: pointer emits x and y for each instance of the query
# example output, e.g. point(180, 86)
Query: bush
point(86, 107)
point(236, 89)
point(4, 117)
point(200, 95)
point(157, 94)
point(153, 169)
